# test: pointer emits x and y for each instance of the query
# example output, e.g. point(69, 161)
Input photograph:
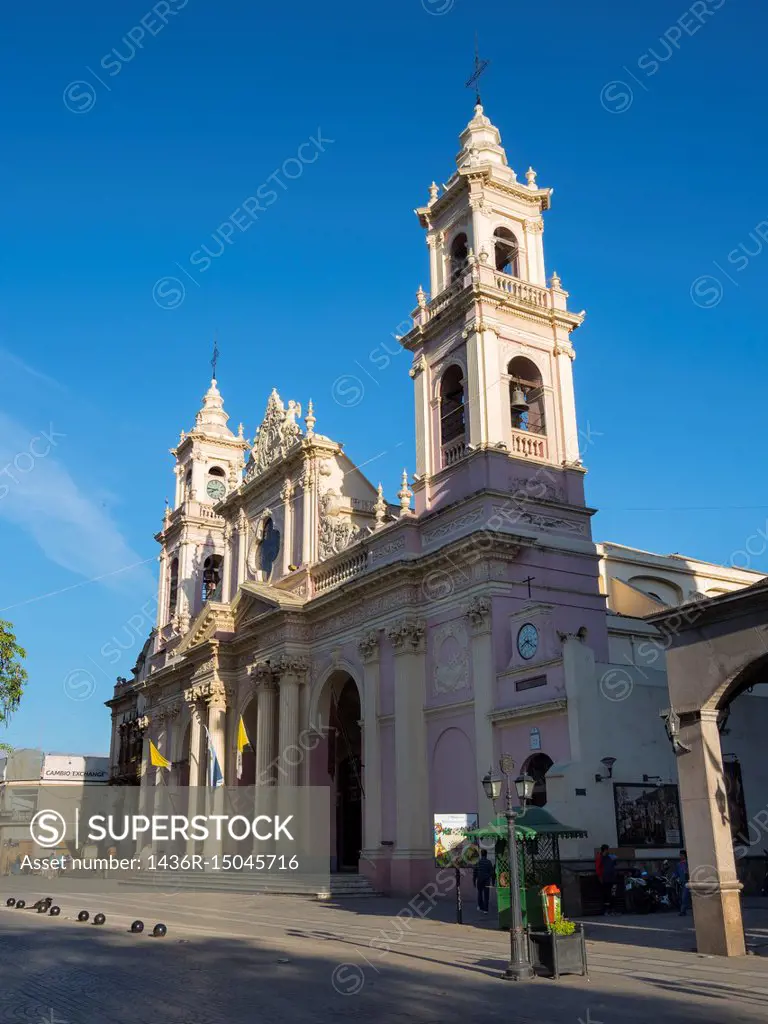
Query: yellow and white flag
point(242, 743)
point(156, 759)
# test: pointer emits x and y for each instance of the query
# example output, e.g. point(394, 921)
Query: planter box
point(558, 954)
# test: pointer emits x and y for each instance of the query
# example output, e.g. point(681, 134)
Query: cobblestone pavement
point(230, 958)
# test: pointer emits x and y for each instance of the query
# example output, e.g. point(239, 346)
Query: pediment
point(214, 621)
point(256, 599)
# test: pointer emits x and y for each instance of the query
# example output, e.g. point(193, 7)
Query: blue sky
point(125, 146)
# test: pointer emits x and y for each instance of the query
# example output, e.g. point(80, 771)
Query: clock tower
point(491, 345)
point(209, 463)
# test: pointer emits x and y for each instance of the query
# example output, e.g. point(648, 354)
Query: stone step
point(351, 886)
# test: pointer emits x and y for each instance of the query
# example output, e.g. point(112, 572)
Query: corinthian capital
point(478, 611)
point(407, 635)
point(262, 673)
point(291, 665)
point(368, 646)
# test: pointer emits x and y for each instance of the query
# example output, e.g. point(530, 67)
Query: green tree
point(13, 675)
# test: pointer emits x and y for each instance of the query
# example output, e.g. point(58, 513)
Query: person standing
point(682, 874)
point(483, 877)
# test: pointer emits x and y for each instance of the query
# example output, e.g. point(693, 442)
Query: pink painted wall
point(452, 782)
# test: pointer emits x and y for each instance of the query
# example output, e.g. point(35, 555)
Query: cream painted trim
point(431, 712)
point(550, 707)
point(531, 668)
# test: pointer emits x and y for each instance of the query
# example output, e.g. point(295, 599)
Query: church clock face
point(528, 641)
point(215, 489)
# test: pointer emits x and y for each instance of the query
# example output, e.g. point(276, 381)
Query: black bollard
point(10, 902)
point(99, 919)
point(83, 915)
point(159, 931)
point(137, 926)
point(54, 911)
point(20, 904)
point(42, 908)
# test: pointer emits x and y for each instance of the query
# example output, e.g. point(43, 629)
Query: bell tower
point(492, 365)
point(209, 463)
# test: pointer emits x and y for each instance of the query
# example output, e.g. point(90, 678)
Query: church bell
point(517, 401)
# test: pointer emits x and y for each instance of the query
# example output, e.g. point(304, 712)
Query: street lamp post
point(519, 968)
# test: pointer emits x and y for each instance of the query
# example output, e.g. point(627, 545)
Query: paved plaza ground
point(231, 958)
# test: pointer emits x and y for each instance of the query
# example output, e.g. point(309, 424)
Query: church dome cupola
point(481, 144)
point(211, 420)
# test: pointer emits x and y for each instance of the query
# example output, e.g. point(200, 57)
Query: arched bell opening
point(526, 396)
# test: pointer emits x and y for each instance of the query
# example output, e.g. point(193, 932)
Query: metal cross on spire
point(480, 68)
point(215, 358)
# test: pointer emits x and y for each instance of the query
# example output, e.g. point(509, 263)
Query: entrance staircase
point(329, 887)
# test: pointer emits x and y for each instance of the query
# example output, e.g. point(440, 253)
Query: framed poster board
point(647, 815)
point(452, 847)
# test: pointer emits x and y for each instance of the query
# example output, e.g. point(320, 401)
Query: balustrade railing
point(531, 294)
point(453, 452)
point(530, 446)
point(341, 572)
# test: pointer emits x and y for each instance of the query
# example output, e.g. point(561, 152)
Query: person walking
point(682, 874)
point(605, 866)
point(484, 876)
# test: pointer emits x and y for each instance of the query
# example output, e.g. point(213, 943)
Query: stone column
point(714, 884)
point(266, 724)
point(425, 463)
point(217, 730)
point(369, 652)
point(308, 519)
point(196, 779)
point(114, 745)
point(292, 672)
point(179, 494)
point(434, 275)
point(564, 356)
point(242, 547)
point(145, 780)
point(266, 747)
point(411, 777)
point(162, 590)
point(287, 544)
point(226, 573)
point(143, 724)
point(478, 613)
point(474, 390)
point(185, 602)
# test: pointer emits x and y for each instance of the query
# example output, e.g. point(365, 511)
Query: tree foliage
point(13, 675)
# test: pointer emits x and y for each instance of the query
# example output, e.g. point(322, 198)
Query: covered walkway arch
point(717, 649)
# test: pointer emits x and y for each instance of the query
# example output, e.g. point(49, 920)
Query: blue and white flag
point(215, 774)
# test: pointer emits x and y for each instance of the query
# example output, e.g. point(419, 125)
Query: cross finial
point(215, 358)
point(474, 79)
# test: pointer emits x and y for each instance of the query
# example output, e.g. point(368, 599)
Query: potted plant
point(560, 949)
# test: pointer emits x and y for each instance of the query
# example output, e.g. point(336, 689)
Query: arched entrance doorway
point(537, 767)
point(337, 763)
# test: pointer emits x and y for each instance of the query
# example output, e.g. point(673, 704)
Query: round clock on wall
point(215, 489)
point(528, 641)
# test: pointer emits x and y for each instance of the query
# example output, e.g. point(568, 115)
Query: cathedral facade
point(394, 650)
